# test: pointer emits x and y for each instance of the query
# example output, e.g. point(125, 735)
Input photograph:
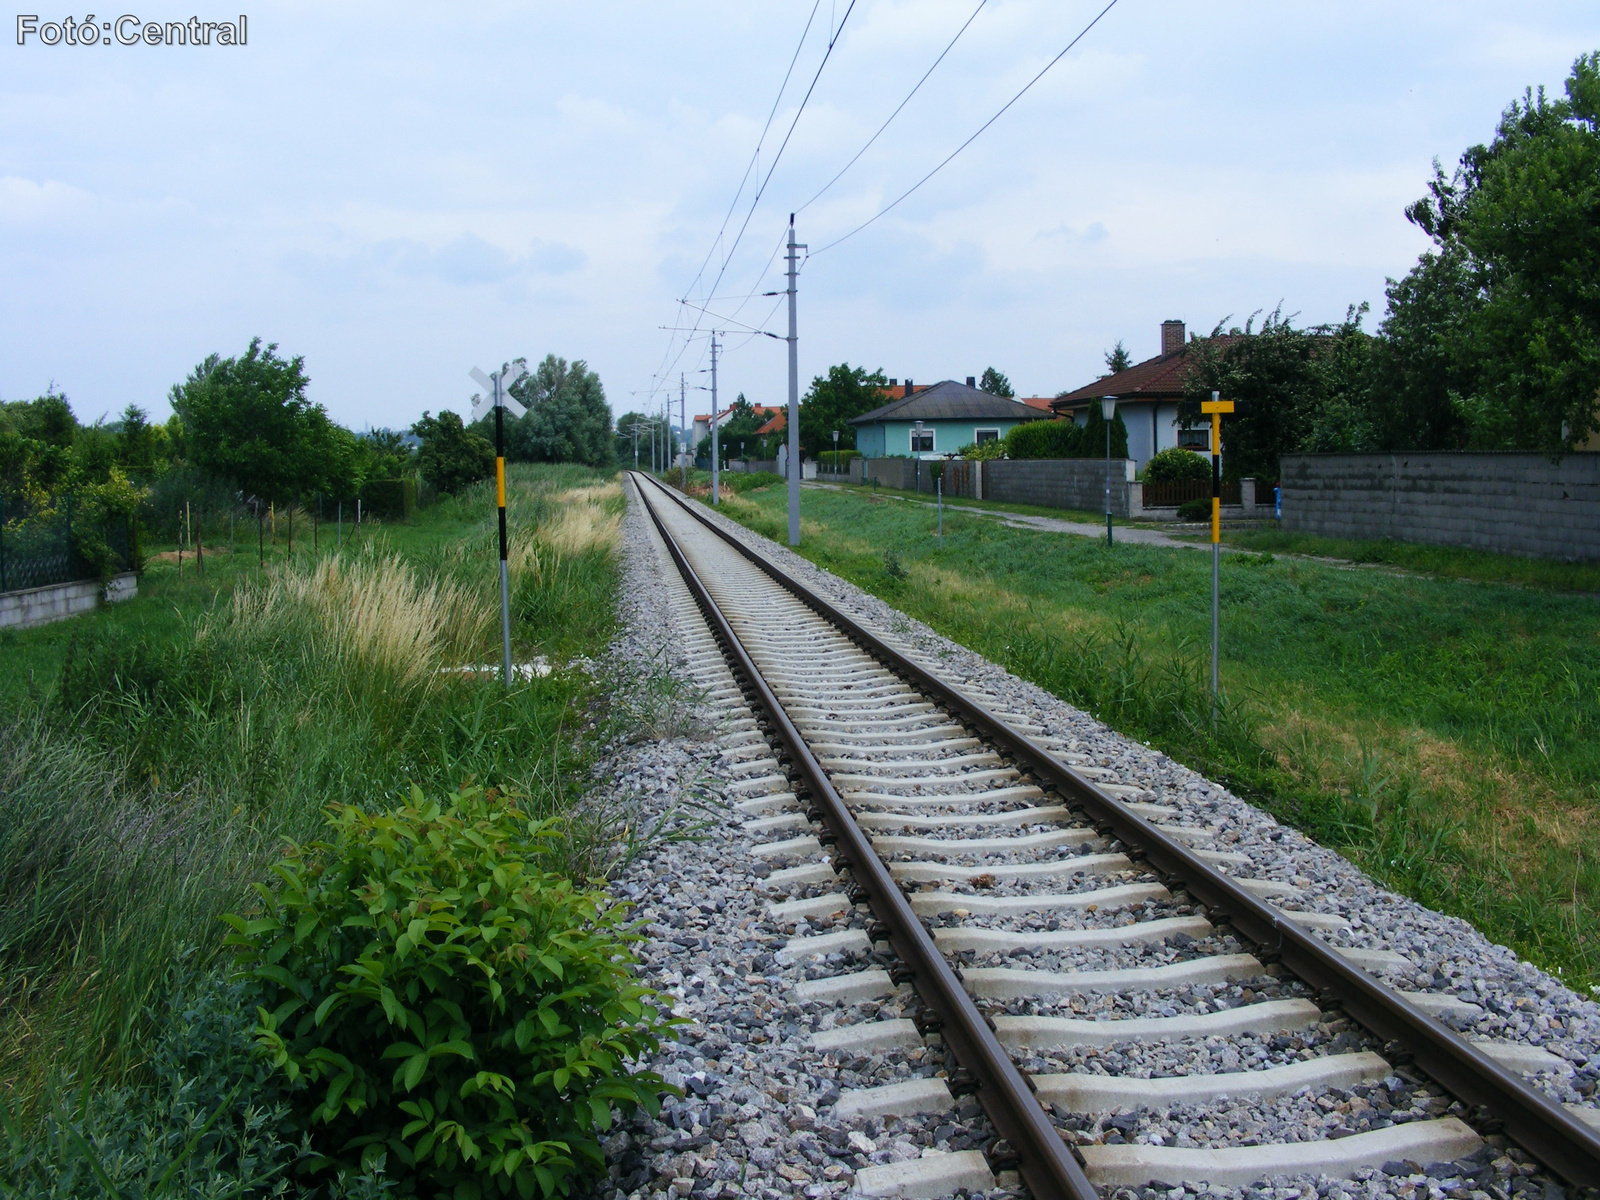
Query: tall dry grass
point(372, 615)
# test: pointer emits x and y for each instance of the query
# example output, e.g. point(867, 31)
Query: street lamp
point(916, 456)
point(1108, 410)
point(836, 454)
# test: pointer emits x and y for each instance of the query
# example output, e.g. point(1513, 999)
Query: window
point(922, 442)
point(1197, 439)
point(986, 435)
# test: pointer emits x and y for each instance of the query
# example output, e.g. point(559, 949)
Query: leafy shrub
point(747, 481)
point(1045, 439)
point(983, 451)
point(213, 1121)
point(443, 1003)
point(1176, 464)
point(389, 499)
point(830, 461)
point(1195, 510)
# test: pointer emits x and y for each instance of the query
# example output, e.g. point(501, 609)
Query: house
point(700, 427)
point(1148, 395)
point(932, 421)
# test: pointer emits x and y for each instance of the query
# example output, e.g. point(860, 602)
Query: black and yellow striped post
point(500, 501)
point(498, 388)
point(1214, 408)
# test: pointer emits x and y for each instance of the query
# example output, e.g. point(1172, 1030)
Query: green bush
point(983, 451)
point(212, 1121)
point(1046, 439)
point(389, 499)
point(1176, 464)
point(830, 460)
point(1195, 510)
point(747, 481)
point(437, 1000)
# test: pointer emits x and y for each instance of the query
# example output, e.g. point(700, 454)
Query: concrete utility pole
point(500, 399)
point(715, 496)
point(794, 398)
point(683, 424)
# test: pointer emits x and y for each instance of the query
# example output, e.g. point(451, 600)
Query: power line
point(804, 100)
point(896, 112)
point(756, 153)
point(666, 366)
point(887, 208)
point(755, 200)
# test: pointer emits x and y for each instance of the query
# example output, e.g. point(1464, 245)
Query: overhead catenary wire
point(1082, 33)
point(868, 145)
point(755, 200)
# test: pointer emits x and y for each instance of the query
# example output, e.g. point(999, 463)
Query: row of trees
point(1490, 342)
point(244, 427)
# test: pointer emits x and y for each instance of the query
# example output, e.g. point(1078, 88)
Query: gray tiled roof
point(951, 401)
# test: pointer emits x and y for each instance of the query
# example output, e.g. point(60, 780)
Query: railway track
point(1024, 901)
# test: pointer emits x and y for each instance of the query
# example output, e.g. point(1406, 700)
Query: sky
point(401, 192)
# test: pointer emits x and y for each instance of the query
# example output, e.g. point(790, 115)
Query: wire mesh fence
point(42, 544)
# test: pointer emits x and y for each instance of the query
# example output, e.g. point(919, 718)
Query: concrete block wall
point(1060, 482)
point(1049, 482)
point(1509, 503)
point(40, 606)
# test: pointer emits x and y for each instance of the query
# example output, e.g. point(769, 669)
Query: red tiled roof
point(1039, 402)
point(1158, 378)
point(779, 420)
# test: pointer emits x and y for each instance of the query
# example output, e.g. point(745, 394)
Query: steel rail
point(1045, 1162)
point(1544, 1128)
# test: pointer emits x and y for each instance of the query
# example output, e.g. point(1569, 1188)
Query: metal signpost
point(1215, 407)
point(1108, 410)
point(497, 396)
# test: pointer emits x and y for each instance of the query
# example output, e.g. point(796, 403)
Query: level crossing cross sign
point(497, 396)
point(497, 390)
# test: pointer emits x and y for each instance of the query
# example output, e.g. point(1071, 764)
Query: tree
point(649, 427)
point(568, 419)
point(831, 402)
point(452, 457)
point(1497, 333)
point(995, 383)
point(247, 420)
point(1297, 389)
point(1094, 434)
point(140, 445)
point(1118, 359)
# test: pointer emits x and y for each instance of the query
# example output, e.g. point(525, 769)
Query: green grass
point(1449, 562)
point(154, 754)
point(1441, 733)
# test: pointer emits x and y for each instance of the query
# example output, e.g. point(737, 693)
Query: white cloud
point(28, 202)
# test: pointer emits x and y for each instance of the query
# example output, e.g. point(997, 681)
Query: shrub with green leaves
point(1047, 439)
point(446, 1003)
point(1174, 464)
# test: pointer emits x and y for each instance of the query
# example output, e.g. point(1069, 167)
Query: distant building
point(952, 415)
point(1148, 395)
point(700, 427)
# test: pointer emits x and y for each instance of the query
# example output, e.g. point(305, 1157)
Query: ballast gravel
point(756, 1117)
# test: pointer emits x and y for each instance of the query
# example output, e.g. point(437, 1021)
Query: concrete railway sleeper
point(998, 868)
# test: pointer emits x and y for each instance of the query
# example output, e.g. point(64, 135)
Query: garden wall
point(1510, 503)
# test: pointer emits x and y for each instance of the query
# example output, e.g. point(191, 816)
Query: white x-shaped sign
point(497, 390)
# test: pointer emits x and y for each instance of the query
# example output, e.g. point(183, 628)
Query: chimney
point(908, 385)
point(1171, 337)
point(972, 381)
point(894, 383)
